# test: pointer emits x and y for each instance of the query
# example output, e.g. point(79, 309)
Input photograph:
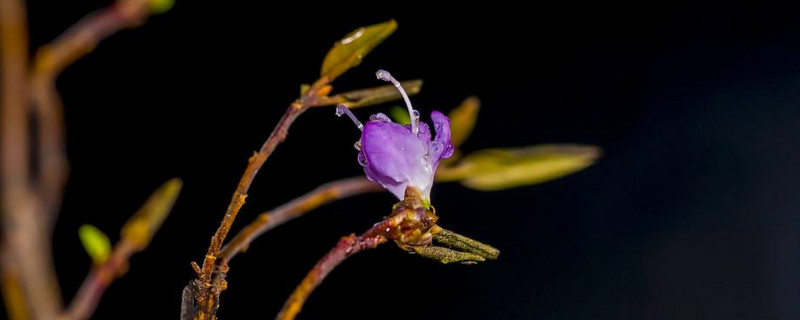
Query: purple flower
point(398, 156)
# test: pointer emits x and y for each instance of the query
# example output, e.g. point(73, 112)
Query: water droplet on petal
point(436, 147)
point(362, 159)
point(380, 117)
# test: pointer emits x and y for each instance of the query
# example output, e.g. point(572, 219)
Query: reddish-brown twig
point(50, 60)
point(98, 280)
point(136, 235)
point(253, 166)
point(26, 245)
point(346, 247)
point(410, 225)
point(268, 220)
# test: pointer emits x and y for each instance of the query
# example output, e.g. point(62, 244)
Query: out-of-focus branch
point(49, 62)
point(268, 220)
point(33, 289)
point(136, 235)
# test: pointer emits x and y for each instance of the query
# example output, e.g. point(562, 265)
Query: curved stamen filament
point(342, 109)
point(386, 76)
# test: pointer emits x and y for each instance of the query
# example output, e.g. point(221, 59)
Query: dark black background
point(691, 214)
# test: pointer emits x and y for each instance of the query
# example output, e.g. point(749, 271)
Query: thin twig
point(268, 220)
point(209, 286)
point(49, 62)
point(26, 245)
point(410, 225)
point(346, 247)
point(136, 235)
point(95, 284)
point(253, 166)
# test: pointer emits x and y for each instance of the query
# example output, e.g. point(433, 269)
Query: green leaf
point(95, 242)
point(462, 120)
point(497, 169)
point(400, 115)
point(349, 51)
point(161, 6)
point(371, 96)
point(140, 228)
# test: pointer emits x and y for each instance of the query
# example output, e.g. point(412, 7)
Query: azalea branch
point(50, 60)
point(346, 247)
point(30, 288)
point(136, 236)
point(268, 220)
point(98, 280)
point(206, 289)
point(278, 135)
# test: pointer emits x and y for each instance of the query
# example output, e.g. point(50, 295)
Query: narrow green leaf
point(462, 120)
point(400, 115)
point(497, 169)
point(143, 225)
point(349, 51)
point(95, 242)
point(371, 96)
point(161, 6)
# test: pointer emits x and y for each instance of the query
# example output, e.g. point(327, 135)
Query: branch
point(207, 288)
point(26, 258)
point(412, 227)
point(277, 136)
point(268, 220)
point(409, 225)
point(136, 235)
point(346, 247)
point(50, 60)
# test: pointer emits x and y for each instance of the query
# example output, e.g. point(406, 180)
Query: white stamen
point(386, 76)
point(342, 109)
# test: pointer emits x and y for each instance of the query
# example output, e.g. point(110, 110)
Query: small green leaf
point(400, 115)
point(304, 88)
point(371, 96)
point(161, 6)
point(143, 225)
point(95, 242)
point(462, 120)
point(497, 169)
point(349, 51)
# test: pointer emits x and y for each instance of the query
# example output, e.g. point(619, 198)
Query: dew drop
point(362, 159)
point(380, 117)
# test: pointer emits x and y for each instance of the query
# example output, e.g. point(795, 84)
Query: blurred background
point(692, 213)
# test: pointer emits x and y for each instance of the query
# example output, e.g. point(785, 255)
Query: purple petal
point(441, 147)
point(395, 156)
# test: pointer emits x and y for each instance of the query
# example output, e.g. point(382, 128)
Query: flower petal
point(441, 147)
point(395, 156)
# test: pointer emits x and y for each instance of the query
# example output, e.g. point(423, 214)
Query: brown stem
point(49, 62)
point(25, 243)
point(211, 282)
point(237, 201)
point(90, 292)
point(409, 225)
point(268, 220)
point(346, 247)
